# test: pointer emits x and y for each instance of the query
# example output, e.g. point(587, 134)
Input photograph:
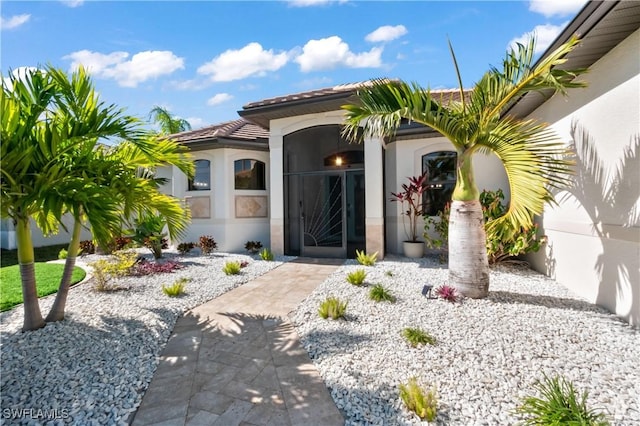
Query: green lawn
point(47, 278)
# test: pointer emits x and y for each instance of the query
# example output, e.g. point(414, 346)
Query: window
point(202, 177)
point(249, 174)
point(440, 168)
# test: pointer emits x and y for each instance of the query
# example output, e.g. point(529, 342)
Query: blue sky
point(203, 60)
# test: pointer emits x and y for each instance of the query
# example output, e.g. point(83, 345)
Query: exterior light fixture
point(338, 160)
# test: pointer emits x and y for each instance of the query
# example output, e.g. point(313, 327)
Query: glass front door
point(322, 215)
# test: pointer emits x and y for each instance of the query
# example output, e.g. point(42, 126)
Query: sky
point(204, 60)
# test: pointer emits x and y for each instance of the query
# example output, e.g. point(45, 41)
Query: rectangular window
point(249, 174)
point(440, 168)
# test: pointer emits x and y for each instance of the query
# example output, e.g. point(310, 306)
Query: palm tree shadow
point(611, 200)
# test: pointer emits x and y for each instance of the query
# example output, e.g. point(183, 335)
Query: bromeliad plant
point(410, 199)
point(149, 233)
point(477, 121)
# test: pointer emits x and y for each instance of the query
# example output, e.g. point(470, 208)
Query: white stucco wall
point(404, 159)
point(230, 232)
point(594, 234)
point(8, 234)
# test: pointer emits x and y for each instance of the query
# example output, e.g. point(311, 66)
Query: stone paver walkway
point(237, 360)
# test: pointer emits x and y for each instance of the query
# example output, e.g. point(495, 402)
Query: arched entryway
point(324, 193)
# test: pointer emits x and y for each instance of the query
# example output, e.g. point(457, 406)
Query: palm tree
point(533, 156)
point(168, 123)
point(74, 174)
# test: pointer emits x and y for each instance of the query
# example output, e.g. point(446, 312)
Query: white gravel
point(94, 367)
point(488, 354)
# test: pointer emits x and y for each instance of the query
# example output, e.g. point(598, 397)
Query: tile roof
point(239, 129)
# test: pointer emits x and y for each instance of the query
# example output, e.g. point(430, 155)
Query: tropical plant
point(411, 197)
point(53, 163)
point(167, 122)
point(63, 254)
point(380, 294)
point(149, 233)
point(448, 293)
point(144, 267)
point(184, 248)
point(356, 277)
point(416, 336)
point(177, 288)
point(366, 259)
point(558, 404)
point(266, 254)
point(478, 121)
point(87, 247)
point(253, 247)
point(423, 403)
point(500, 244)
point(333, 308)
point(207, 244)
point(231, 268)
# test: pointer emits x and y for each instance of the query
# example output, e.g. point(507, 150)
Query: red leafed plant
point(149, 268)
point(447, 293)
point(244, 264)
point(412, 195)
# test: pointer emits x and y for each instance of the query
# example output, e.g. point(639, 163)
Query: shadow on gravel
point(546, 301)
point(332, 342)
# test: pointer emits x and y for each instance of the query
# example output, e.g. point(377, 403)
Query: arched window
point(440, 168)
point(202, 178)
point(249, 174)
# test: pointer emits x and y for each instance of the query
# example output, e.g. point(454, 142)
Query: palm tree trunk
point(56, 313)
point(32, 316)
point(468, 266)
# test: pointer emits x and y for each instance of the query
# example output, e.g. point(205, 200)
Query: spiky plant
point(366, 259)
point(422, 402)
point(417, 336)
point(175, 289)
point(232, 268)
point(380, 294)
point(356, 277)
point(332, 307)
point(448, 293)
point(558, 403)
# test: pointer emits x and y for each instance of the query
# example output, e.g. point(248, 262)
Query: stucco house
point(282, 174)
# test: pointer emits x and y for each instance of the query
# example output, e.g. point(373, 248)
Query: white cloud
point(196, 122)
point(386, 33)
point(238, 64)
point(331, 52)
point(14, 21)
point(192, 84)
point(311, 3)
point(556, 7)
point(545, 35)
point(219, 98)
point(128, 73)
point(72, 3)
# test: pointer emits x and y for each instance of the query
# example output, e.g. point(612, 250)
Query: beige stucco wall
point(230, 232)
point(404, 159)
point(594, 234)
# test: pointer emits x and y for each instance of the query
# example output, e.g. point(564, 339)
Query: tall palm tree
point(167, 122)
point(59, 167)
point(533, 156)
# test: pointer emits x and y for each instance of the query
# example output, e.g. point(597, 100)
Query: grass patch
point(47, 278)
point(422, 402)
point(177, 288)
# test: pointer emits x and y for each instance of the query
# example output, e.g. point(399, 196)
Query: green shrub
point(416, 336)
point(558, 404)
point(357, 277)
point(253, 247)
point(266, 254)
point(232, 268)
point(332, 307)
point(503, 241)
point(380, 294)
point(207, 244)
point(104, 270)
point(148, 232)
point(175, 289)
point(423, 403)
point(366, 259)
point(62, 254)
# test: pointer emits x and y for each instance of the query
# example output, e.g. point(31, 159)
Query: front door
point(322, 216)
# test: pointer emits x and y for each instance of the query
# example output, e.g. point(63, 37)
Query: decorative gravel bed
point(488, 353)
point(93, 368)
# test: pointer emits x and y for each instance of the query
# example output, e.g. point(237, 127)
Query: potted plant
point(411, 200)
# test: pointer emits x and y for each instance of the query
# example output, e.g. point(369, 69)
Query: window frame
point(260, 179)
point(440, 182)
